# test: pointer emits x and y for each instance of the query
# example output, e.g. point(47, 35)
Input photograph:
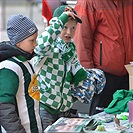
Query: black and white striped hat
point(20, 27)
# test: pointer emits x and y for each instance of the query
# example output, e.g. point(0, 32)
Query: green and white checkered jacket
point(59, 70)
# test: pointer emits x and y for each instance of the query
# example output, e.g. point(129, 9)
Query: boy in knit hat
point(19, 106)
point(61, 69)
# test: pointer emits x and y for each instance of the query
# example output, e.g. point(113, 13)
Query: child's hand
point(71, 15)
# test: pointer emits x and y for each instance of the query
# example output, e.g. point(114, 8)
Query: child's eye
point(32, 40)
point(73, 28)
point(65, 27)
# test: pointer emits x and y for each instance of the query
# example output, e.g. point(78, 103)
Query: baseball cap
point(58, 11)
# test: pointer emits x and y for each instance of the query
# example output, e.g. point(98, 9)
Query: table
point(107, 121)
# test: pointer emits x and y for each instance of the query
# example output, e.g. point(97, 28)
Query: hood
point(8, 51)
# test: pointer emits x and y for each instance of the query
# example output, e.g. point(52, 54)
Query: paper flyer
point(67, 125)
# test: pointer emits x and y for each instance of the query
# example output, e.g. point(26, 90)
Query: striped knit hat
point(20, 27)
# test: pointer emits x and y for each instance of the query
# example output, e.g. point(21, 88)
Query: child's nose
point(35, 44)
point(68, 31)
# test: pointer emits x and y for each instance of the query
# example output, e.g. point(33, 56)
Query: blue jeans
point(48, 119)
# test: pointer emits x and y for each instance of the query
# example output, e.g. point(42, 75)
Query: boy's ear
point(18, 44)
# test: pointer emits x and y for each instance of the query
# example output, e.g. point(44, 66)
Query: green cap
point(64, 8)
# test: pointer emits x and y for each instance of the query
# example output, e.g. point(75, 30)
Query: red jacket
point(109, 22)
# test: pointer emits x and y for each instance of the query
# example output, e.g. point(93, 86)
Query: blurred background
point(30, 8)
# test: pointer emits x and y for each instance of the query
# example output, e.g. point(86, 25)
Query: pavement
point(18, 7)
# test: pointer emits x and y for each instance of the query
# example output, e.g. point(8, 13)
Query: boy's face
point(28, 44)
point(69, 30)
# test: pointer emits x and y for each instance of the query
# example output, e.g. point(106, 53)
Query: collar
point(8, 51)
point(67, 50)
point(21, 58)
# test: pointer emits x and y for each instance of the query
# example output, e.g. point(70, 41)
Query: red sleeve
point(84, 32)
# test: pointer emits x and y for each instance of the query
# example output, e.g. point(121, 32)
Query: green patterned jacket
point(60, 70)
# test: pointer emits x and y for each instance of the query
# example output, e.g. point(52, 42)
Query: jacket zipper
point(100, 53)
point(62, 89)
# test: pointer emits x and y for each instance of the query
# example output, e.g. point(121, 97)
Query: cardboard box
point(129, 68)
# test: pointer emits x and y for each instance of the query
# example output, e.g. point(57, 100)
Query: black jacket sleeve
point(9, 119)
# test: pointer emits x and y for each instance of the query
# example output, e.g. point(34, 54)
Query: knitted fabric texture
point(20, 27)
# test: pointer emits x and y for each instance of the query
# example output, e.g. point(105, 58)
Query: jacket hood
point(8, 51)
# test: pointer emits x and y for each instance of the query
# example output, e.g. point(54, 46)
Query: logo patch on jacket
point(33, 88)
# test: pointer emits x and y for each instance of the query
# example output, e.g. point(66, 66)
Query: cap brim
point(78, 20)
